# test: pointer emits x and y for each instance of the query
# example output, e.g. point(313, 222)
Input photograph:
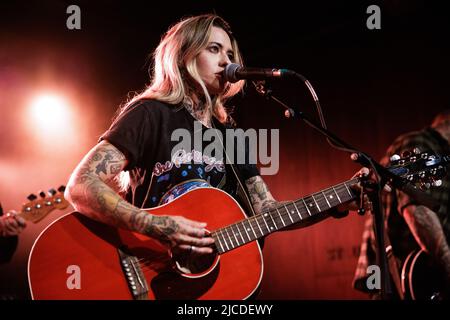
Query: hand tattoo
point(161, 228)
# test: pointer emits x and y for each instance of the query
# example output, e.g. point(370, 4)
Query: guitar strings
point(283, 213)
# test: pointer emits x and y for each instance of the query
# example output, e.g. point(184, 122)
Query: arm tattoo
point(262, 199)
point(90, 193)
point(260, 196)
point(425, 227)
point(108, 162)
point(427, 230)
point(257, 188)
point(139, 220)
point(101, 167)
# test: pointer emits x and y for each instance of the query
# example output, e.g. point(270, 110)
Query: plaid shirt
point(399, 234)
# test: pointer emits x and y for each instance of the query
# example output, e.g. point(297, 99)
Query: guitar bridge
point(133, 275)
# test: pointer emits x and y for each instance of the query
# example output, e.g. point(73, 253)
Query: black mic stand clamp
point(262, 88)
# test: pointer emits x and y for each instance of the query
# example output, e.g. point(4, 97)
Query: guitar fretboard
point(258, 226)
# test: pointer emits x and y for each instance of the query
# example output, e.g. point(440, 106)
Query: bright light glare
point(50, 112)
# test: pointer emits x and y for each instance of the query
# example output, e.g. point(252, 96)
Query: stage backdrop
point(373, 85)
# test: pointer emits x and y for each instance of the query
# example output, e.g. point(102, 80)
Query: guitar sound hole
point(193, 265)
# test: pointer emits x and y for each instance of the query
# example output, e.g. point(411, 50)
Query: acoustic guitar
point(79, 258)
point(422, 279)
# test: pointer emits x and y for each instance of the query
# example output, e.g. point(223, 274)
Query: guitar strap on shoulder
point(233, 183)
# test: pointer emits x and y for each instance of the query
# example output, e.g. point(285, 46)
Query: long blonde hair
point(174, 67)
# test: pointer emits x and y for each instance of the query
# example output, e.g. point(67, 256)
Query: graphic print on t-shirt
point(194, 168)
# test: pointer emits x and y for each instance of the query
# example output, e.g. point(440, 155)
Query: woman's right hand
point(181, 234)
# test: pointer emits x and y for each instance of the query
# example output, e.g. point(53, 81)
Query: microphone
point(234, 72)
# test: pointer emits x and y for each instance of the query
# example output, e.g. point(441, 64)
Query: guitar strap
point(393, 266)
point(234, 184)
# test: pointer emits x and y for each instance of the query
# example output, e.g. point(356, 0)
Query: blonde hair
point(174, 70)
point(174, 74)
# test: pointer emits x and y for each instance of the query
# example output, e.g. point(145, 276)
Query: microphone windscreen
point(229, 73)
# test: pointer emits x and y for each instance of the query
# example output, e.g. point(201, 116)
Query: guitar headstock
point(423, 169)
point(38, 207)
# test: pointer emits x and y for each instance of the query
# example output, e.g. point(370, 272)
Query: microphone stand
point(383, 176)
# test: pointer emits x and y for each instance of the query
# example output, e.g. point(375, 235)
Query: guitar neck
point(304, 209)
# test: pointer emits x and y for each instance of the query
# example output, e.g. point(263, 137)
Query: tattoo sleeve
point(260, 195)
point(262, 200)
point(90, 193)
point(427, 230)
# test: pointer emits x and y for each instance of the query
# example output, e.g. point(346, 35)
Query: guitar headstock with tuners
point(40, 206)
point(422, 169)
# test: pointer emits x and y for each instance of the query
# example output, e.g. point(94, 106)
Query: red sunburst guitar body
point(78, 258)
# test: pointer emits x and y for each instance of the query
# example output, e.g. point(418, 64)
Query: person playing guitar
point(136, 158)
point(419, 236)
point(11, 224)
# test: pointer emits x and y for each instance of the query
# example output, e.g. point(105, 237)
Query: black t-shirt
point(165, 158)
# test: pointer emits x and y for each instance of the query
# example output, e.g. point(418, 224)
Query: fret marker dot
point(292, 211)
point(310, 204)
point(265, 215)
point(248, 229)
point(271, 228)
point(331, 197)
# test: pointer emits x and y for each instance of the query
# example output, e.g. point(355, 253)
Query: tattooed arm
point(262, 200)
point(89, 192)
point(260, 196)
point(427, 230)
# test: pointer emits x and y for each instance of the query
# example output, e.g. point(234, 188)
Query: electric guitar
point(33, 211)
point(79, 258)
point(37, 208)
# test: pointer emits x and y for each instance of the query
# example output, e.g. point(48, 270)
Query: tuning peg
point(437, 183)
point(416, 150)
point(425, 185)
point(394, 157)
point(52, 191)
point(406, 154)
point(42, 194)
point(32, 197)
point(62, 188)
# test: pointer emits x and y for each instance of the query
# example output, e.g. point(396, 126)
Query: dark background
point(373, 85)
